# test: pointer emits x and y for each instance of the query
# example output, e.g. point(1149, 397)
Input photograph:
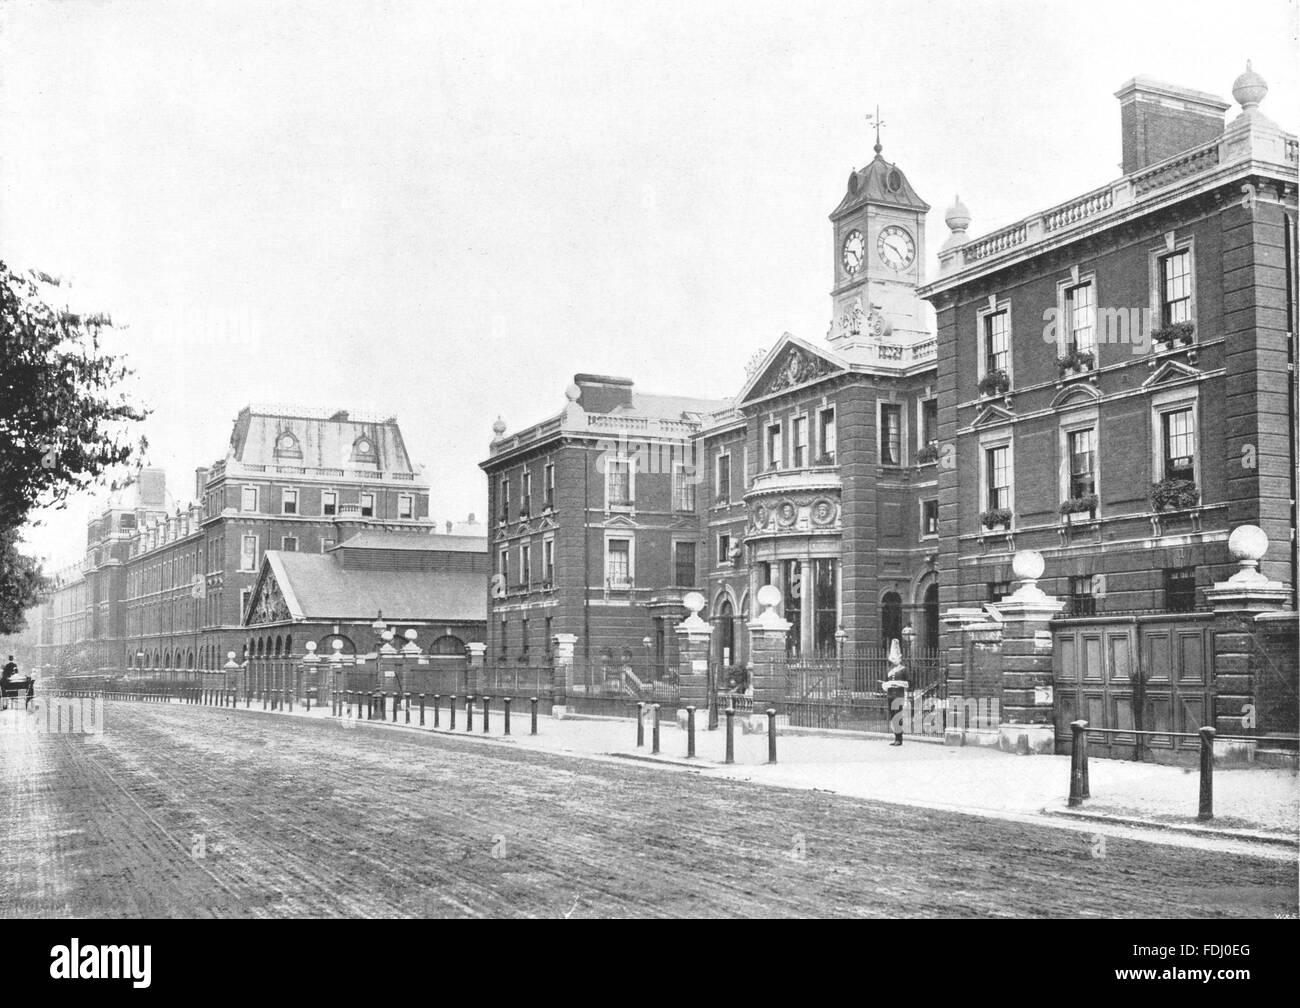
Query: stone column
point(562, 648)
point(310, 677)
point(767, 655)
point(1028, 705)
point(973, 645)
point(1237, 661)
point(693, 635)
point(474, 660)
point(228, 678)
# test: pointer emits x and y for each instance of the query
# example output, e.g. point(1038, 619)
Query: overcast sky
point(445, 211)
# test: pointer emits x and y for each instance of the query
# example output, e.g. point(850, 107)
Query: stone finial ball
point(310, 645)
point(336, 644)
point(957, 217)
point(769, 596)
point(1249, 89)
point(694, 601)
point(410, 634)
point(1247, 542)
point(230, 656)
point(573, 393)
point(1027, 565)
point(499, 427)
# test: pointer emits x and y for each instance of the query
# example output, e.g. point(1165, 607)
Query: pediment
point(993, 415)
point(1076, 395)
point(1171, 371)
point(621, 521)
point(791, 363)
point(268, 602)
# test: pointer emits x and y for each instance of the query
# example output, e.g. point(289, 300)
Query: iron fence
point(615, 688)
point(844, 692)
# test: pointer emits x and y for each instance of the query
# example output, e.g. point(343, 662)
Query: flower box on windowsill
point(996, 520)
point(1082, 508)
point(1171, 336)
point(1077, 364)
point(994, 383)
point(1174, 494)
point(824, 460)
point(928, 454)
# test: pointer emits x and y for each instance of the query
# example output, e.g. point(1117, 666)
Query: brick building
point(166, 586)
point(1113, 371)
point(594, 526)
point(1108, 383)
point(818, 478)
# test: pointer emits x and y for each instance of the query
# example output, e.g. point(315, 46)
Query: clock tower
point(879, 235)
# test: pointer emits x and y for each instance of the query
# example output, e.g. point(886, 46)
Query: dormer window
point(364, 450)
point(286, 445)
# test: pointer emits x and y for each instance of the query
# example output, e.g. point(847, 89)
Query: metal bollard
point(1207, 774)
point(406, 704)
point(731, 738)
point(486, 700)
point(436, 698)
point(288, 694)
point(309, 692)
point(1078, 761)
point(654, 745)
point(469, 713)
point(248, 699)
point(640, 724)
point(397, 702)
point(421, 710)
point(347, 696)
point(690, 732)
point(533, 728)
point(505, 702)
point(771, 735)
point(451, 712)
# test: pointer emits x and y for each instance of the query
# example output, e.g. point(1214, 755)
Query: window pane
point(999, 478)
point(891, 435)
point(619, 476)
point(1180, 444)
point(1081, 313)
point(995, 341)
point(1176, 287)
point(617, 562)
point(828, 435)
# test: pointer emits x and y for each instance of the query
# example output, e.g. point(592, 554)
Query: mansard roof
point(880, 183)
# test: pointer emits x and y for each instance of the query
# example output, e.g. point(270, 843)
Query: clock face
point(855, 250)
point(895, 247)
point(286, 442)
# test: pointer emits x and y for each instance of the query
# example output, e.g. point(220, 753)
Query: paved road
point(190, 811)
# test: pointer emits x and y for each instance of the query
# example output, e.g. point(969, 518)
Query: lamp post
point(909, 635)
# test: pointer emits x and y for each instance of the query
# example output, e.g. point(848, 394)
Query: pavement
point(1252, 804)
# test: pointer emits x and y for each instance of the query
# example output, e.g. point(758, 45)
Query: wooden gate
point(1133, 674)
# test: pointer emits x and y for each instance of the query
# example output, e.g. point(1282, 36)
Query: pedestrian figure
point(894, 686)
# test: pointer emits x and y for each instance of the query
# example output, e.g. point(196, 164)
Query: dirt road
point(191, 811)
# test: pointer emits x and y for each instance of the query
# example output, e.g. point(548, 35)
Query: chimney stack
point(1159, 120)
point(200, 482)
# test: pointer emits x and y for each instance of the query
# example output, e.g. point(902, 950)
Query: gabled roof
point(316, 586)
point(882, 183)
point(791, 363)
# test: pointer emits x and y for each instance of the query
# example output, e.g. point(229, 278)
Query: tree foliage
point(65, 421)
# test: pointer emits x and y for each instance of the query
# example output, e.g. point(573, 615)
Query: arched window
point(447, 644)
point(288, 646)
point(891, 619)
point(726, 633)
point(189, 659)
point(279, 646)
point(167, 660)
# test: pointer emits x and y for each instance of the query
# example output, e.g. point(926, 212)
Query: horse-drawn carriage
point(17, 692)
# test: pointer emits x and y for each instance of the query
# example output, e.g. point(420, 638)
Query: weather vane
point(876, 121)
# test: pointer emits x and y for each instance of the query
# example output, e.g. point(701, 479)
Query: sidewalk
point(1251, 803)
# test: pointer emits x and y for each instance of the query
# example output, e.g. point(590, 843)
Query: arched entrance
point(726, 620)
point(930, 617)
point(891, 618)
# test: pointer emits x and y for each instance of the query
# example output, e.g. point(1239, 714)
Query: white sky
point(445, 211)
